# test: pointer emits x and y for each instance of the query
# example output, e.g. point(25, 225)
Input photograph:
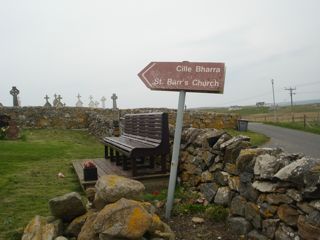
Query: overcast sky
point(98, 47)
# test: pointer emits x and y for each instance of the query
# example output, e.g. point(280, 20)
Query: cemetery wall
point(99, 121)
point(270, 194)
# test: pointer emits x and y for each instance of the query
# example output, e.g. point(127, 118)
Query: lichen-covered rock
point(277, 198)
point(67, 207)
point(239, 225)
point(74, 228)
point(288, 214)
point(223, 196)
point(234, 183)
point(122, 219)
point(206, 176)
point(266, 166)
point(160, 230)
point(265, 186)
point(221, 177)
point(238, 205)
point(87, 231)
point(39, 229)
point(285, 233)
point(209, 190)
point(232, 151)
point(269, 227)
point(255, 235)
point(61, 238)
point(309, 227)
point(303, 172)
point(231, 169)
point(111, 188)
point(252, 214)
point(315, 204)
point(247, 191)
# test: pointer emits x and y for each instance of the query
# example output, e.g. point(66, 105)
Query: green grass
point(29, 168)
point(256, 139)
point(312, 128)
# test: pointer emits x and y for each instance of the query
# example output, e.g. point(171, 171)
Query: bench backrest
point(149, 127)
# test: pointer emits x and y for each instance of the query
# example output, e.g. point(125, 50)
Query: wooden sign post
point(183, 77)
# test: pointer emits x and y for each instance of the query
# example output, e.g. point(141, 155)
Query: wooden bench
point(145, 136)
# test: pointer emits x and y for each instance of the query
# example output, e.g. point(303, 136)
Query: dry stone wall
point(100, 121)
point(271, 194)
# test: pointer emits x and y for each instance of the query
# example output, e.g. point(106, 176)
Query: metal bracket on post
point(175, 154)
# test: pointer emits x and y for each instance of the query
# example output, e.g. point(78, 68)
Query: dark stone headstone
point(13, 131)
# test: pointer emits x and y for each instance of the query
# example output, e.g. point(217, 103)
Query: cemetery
point(99, 173)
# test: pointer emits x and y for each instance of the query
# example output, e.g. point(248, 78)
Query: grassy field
point(29, 169)
point(312, 128)
point(256, 139)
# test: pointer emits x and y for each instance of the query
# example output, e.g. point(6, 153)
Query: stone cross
point(79, 102)
point(91, 103)
point(114, 101)
point(47, 104)
point(14, 92)
point(59, 104)
point(103, 101)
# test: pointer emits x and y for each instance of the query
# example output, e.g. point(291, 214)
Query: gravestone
point(79, 103)
point(14, 92)
point(55, 101)
point(91, 103)
point(47, 104)
point(103, 101)
point(59, 103)
point(114, 101)
point(13, 131)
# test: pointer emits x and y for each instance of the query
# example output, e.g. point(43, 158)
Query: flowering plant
point(3, 132)
point(89, 164)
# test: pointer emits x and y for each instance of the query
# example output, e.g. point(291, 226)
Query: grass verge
point(29, 168)
point(256, 139)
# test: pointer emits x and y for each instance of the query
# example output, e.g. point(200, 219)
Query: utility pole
point(274, 102)
point(291, 94)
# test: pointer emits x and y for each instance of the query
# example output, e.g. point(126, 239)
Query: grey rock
point(247, 191)
point(234, 183)
point(315, 204)
point(61, 238)
point(238, 205)
point(111, 188)
point(221, 178)
point(252, 214)
point(216, 166)
point(223, 196)
point(269, 227)
point(267, 210)
point(232, 151)
point(246, 177)
point(209, 190)
point(305, 207)
point(231, 169)
point(277, 198)
point(224, 138)
point(265, 186)
point(239, 225)
point(255, 235)
point(288, 214)
point(309, 228)
point(266, 166)
point(285, 233)
point(294, 194)
point(206, 176)
point(67, 207)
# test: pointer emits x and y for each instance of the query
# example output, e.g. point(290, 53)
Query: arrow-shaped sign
point(184, 76)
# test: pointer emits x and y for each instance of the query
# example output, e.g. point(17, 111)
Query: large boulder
point(125, 218)
point(266, 166)
point(74, 228)
point(67, 207)
point(111, 188)
point(87, 230)
point(39, 228)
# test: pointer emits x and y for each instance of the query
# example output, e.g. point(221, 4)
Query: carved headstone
point(91, 103)
point(14, 92)
point(13, 131)
point(79, 103)
point(55, 101)
point(114, 101)
point(103, 101)
point(47, 104)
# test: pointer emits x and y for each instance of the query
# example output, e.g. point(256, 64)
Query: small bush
point(216, 213)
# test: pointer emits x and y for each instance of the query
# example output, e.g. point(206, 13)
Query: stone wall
point(99, 121)
point(271, 194)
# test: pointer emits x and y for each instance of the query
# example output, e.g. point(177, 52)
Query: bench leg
point(151, 162)
point(118, 161)
point(111, 155)
point(163, 163)
point(106, 152)
point(134, 167)
point(125, 163)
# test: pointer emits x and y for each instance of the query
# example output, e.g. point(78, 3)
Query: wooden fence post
point(304, 121)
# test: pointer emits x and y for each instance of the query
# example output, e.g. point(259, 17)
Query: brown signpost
point(184, 76)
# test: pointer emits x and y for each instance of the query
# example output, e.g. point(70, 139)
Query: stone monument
point(114, 101)
point(91, 103)
point(47, 104)
point(59, 103)
point(79, 103)
point(55, 101)
point(14, 92)
point(103, 101)
point(13, 131)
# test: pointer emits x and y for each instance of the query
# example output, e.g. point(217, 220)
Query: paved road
point(291, 141)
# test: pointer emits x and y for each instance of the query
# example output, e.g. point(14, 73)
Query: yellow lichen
point(138, 222)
